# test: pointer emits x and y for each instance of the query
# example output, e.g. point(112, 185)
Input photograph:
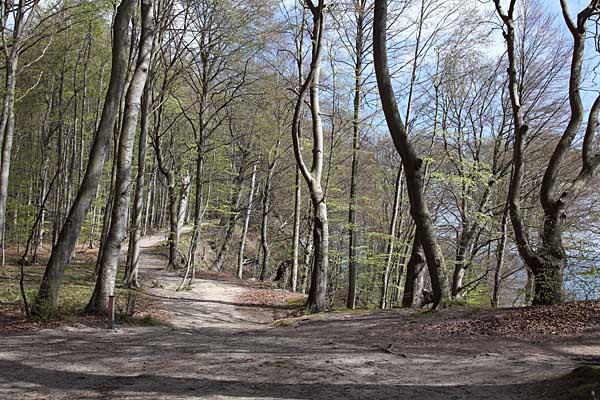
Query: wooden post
point(111, 311)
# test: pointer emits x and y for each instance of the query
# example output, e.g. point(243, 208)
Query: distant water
point(582, 279)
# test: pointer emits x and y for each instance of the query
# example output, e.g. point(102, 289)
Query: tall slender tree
point(411, 162)
point(47, 299)
point(16, 20)
point(105, 283)
point(318, 285)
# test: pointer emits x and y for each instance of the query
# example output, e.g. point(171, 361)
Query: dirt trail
point(218, 348)
point(210, 304)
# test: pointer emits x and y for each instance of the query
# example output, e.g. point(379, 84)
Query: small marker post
point(111, 311)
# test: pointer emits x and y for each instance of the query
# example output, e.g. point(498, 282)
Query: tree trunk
point(548, 276)
point(190, 268)
point(461, 262)
point(17, 16)
point(264, 225)
point(501, 250)
point(173, 220)
point(105, 284)
point(415, 277)
point(133, 250)
point(7, 132)
point(308, 256)
point(240, 271)
point(149, 216)
point(298, 189)
point(317, 300)
point(232, 218)
point(410, 160)
point(352, 242)
point(383, 304)
point(183, 204)
point(47, 299)
point(107, 213)
point(296, 237)
point(529, 287)
point(547, 262)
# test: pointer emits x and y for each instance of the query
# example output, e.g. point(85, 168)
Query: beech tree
point(194, 122)
point(17, 26)
point(105, 284)
point(318, 284)
point(425, 233)
point(47, 298)
point(548, 260)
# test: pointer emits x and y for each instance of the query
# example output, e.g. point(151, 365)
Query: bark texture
point(547, 262)
point(316, 301)
point(105, 283)
point(47, 299)
point(412, 163)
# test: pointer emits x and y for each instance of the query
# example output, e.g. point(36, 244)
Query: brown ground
point(221, 344)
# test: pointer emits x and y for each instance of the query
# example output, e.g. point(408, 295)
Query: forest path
point(218, 348)
point(209, 303)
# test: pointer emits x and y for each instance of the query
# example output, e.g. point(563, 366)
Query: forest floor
point(219, 341)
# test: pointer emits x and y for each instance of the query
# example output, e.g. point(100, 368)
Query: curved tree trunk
point(411, 162)
point(547, 262)
point(316, 301)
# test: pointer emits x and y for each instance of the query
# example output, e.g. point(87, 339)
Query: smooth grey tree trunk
point(415, 276)
point(7, 133)
point(316, 301)
point(383, 304)
point(240, 269)
point(133, 251)
point(183, 204)
point(16, 20)
point(47, 299)
point(107, 213)
point(298, 189)
point(105, 283)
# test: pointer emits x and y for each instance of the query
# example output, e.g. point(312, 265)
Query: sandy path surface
point(210, 304)
point(218, 348)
